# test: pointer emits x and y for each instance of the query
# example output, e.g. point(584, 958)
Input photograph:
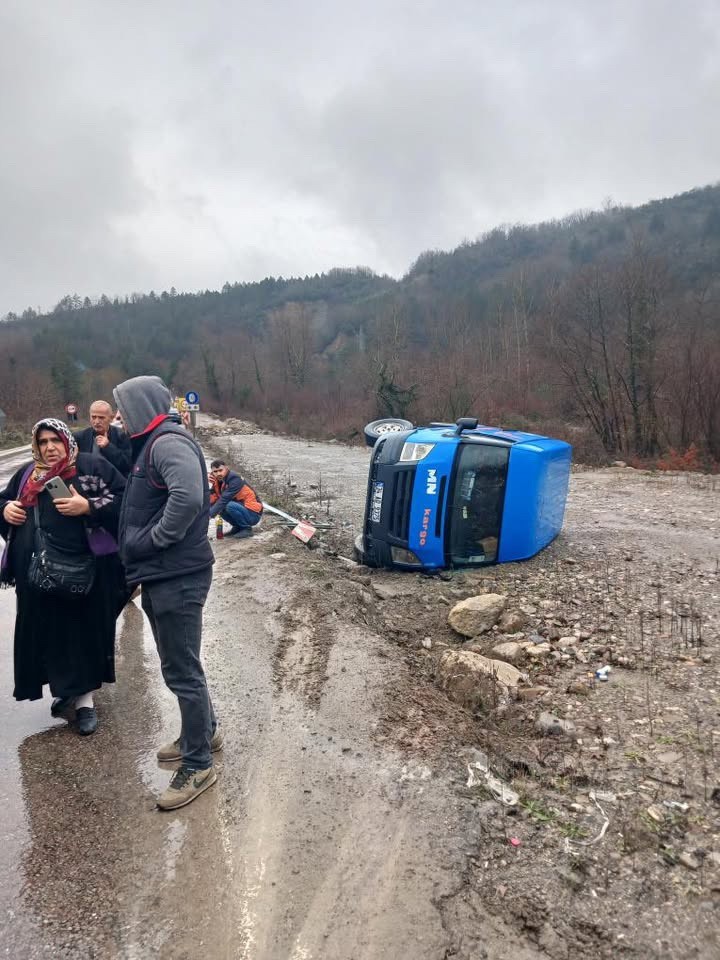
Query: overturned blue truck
point(462, 494)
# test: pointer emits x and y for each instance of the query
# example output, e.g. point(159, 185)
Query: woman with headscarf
point(66, 642)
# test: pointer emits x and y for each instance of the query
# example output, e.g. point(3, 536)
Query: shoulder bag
point(56, 572)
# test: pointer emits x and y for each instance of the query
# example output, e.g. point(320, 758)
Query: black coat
point(69, 644)
point(118, 451)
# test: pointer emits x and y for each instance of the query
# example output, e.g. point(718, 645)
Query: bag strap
point(23, 481)
point(24, 478)
point(39, 533)
point(147, 455)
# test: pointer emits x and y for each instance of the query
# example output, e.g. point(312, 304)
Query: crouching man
point(234, 500)
point(164, 546)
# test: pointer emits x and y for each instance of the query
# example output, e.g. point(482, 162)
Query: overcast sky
point(171, 142)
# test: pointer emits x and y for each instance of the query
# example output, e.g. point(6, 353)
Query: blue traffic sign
point(192, 397)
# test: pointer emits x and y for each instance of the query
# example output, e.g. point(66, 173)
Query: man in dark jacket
point(164, 547)
point(103, 438)
point(234, 500)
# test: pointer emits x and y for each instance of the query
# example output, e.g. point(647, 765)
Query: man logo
point(431, 482)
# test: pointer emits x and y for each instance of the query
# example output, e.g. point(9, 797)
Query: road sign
point(192, 407)
point(304, 531)
point(70, 408)
point(192, 398)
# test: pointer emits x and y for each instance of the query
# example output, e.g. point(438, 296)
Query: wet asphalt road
point(313, 843)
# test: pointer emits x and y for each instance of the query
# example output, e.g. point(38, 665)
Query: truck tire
point(359, 549)
point(359, 554)
point(379, 428)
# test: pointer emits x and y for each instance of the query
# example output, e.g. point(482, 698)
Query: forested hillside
point(603, 328)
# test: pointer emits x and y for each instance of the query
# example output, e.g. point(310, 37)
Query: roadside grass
point(538, 811)
point(572, 831)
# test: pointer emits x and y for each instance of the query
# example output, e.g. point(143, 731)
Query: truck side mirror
point(465, 423)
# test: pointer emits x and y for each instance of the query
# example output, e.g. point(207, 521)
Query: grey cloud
point(443, 142)
point(66, 174)
point(163, 144)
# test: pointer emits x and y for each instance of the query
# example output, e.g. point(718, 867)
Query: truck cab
point(463, 494)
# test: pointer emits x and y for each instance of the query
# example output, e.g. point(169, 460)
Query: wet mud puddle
point(315, 842)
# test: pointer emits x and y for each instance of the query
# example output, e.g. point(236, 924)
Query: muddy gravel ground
point(345, 823)
point(613, 848)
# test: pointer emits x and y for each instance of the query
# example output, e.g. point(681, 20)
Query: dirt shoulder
point(613, 849)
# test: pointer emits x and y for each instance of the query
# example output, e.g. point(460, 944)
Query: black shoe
point(86, 720)
point(233, 531)
point(241, 533)
point(61, 706)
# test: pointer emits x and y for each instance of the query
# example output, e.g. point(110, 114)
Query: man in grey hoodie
point(164, 546)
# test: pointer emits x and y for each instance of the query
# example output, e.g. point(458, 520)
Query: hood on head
point(141, 400)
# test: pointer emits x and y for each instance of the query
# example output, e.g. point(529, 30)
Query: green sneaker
point(185, 786)
point(172, 751)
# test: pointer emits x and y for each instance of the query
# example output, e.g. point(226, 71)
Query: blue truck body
point(445, 496)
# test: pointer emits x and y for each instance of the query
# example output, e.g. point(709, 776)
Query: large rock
point(477, 615)
point(475, 681)
point(537, 650)
point(510, 651)
point(532, 693)
point(565, 642)
point(512, 621)
point(550, 725)
point(390, 591)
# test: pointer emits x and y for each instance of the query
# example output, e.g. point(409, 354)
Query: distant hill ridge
point(471, 330)
point(684, 228)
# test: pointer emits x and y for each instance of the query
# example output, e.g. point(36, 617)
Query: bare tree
point(587, 352)
point(387, 357)
point(642, 282)
point(291, 330)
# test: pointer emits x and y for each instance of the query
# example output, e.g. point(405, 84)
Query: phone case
point(57, 489)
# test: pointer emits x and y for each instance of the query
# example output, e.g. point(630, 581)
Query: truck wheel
point(359, 554)
point(358, 549)
point(379, 428)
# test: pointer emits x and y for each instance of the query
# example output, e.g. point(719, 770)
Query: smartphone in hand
point(57, 489)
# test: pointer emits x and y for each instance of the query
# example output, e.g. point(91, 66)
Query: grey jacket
point(163, 525)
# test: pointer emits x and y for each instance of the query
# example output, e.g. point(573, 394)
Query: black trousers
point(174, 608)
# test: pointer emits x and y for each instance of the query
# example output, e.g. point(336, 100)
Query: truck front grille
point(399, 520)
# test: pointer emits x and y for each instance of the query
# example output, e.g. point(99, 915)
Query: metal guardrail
point(15, 452)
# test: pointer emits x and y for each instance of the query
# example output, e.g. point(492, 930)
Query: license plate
point(376, 501)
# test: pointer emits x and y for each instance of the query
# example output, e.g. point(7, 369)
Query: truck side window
point(476, 503)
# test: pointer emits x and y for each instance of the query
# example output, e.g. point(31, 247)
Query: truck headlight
point(401, 555)
point(412, 452)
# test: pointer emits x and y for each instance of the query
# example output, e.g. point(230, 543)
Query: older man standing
point(164, 546)
point(103, 438)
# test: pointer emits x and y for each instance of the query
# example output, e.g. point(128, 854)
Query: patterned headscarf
point(42, 471)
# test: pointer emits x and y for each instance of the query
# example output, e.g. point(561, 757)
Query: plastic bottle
point(219, 532)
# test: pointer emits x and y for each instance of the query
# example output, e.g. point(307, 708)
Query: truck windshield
point(476, 503)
